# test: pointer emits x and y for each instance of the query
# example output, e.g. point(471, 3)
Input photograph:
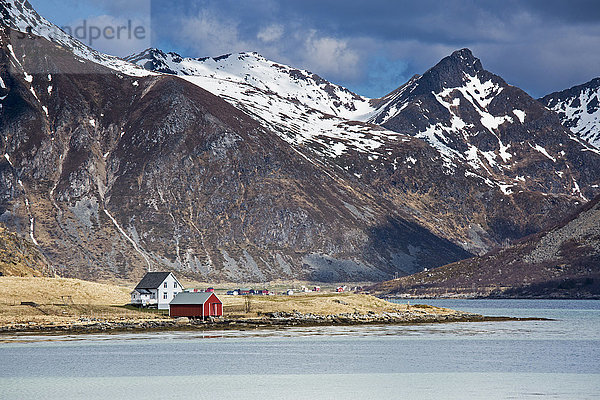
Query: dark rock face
point(579, 109)
point(560, 262)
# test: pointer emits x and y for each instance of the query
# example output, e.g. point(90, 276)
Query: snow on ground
point(254, 70)
point(542, 150)
point(519, 114)
point(580, 114)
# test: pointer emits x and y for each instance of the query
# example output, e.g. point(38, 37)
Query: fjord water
point(490, 360)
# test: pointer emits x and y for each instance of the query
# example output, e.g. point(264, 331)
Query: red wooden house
point(196, 305)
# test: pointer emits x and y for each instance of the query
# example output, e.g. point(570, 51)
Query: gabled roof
point(192, 298)
point(152, 280)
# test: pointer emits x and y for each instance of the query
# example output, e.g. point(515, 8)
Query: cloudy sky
point(371, 46)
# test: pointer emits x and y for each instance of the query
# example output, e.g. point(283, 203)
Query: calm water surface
point(501, 360)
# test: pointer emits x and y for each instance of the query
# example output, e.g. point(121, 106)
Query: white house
point(156, 289)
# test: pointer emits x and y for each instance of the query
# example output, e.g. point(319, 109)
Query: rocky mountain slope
point(111, 174)
point(20, 257)
point(579, 109)
point(560, 262)
point(465, 193)
point(24, 21)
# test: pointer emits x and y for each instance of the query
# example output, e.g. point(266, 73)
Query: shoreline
point(272, 321)
point(476, 296)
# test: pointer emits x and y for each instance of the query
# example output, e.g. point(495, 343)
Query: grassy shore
point(73, 304)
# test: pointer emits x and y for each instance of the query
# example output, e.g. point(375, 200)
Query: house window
point(165, 295)
point(165, 285)
point(175, 285)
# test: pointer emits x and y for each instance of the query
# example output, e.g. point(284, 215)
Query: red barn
point(196, 305)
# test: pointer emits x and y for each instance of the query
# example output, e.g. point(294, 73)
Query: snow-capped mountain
point(301, 107)
point(111, 174)
point(240, 168)
point(20, 16)
point(579, 109)
point(389, 160)
point(253, 70)
point(472, 115)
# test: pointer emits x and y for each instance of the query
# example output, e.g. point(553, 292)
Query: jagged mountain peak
point(456, 70)
point(451, 70)
point(472, 115)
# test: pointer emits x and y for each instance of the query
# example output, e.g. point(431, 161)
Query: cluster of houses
point(163, 291)
point(247, 292)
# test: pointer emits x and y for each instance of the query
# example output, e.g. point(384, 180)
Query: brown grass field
point(64, 301)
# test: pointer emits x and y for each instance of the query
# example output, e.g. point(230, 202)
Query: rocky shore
point(270, 320)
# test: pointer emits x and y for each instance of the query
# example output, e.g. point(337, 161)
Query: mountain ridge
point(326, 137)
point(579, 109)
point(559, 262)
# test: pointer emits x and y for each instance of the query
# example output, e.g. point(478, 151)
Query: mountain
point(474, 116)
point(111, 174)
point(242, 169)
point(563, 261)
point(579, 109)
point(252, 71)
point(471, 198)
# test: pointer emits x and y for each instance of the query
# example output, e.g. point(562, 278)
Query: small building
point(196, 305)
point(156, 289)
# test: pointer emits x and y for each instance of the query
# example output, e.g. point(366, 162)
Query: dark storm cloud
point(373, 46)
point(539, 45)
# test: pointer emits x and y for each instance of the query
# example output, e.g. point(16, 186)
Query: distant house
point(196, 305)
point(156, 289)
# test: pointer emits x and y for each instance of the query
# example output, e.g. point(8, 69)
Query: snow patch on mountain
point(579, 109)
